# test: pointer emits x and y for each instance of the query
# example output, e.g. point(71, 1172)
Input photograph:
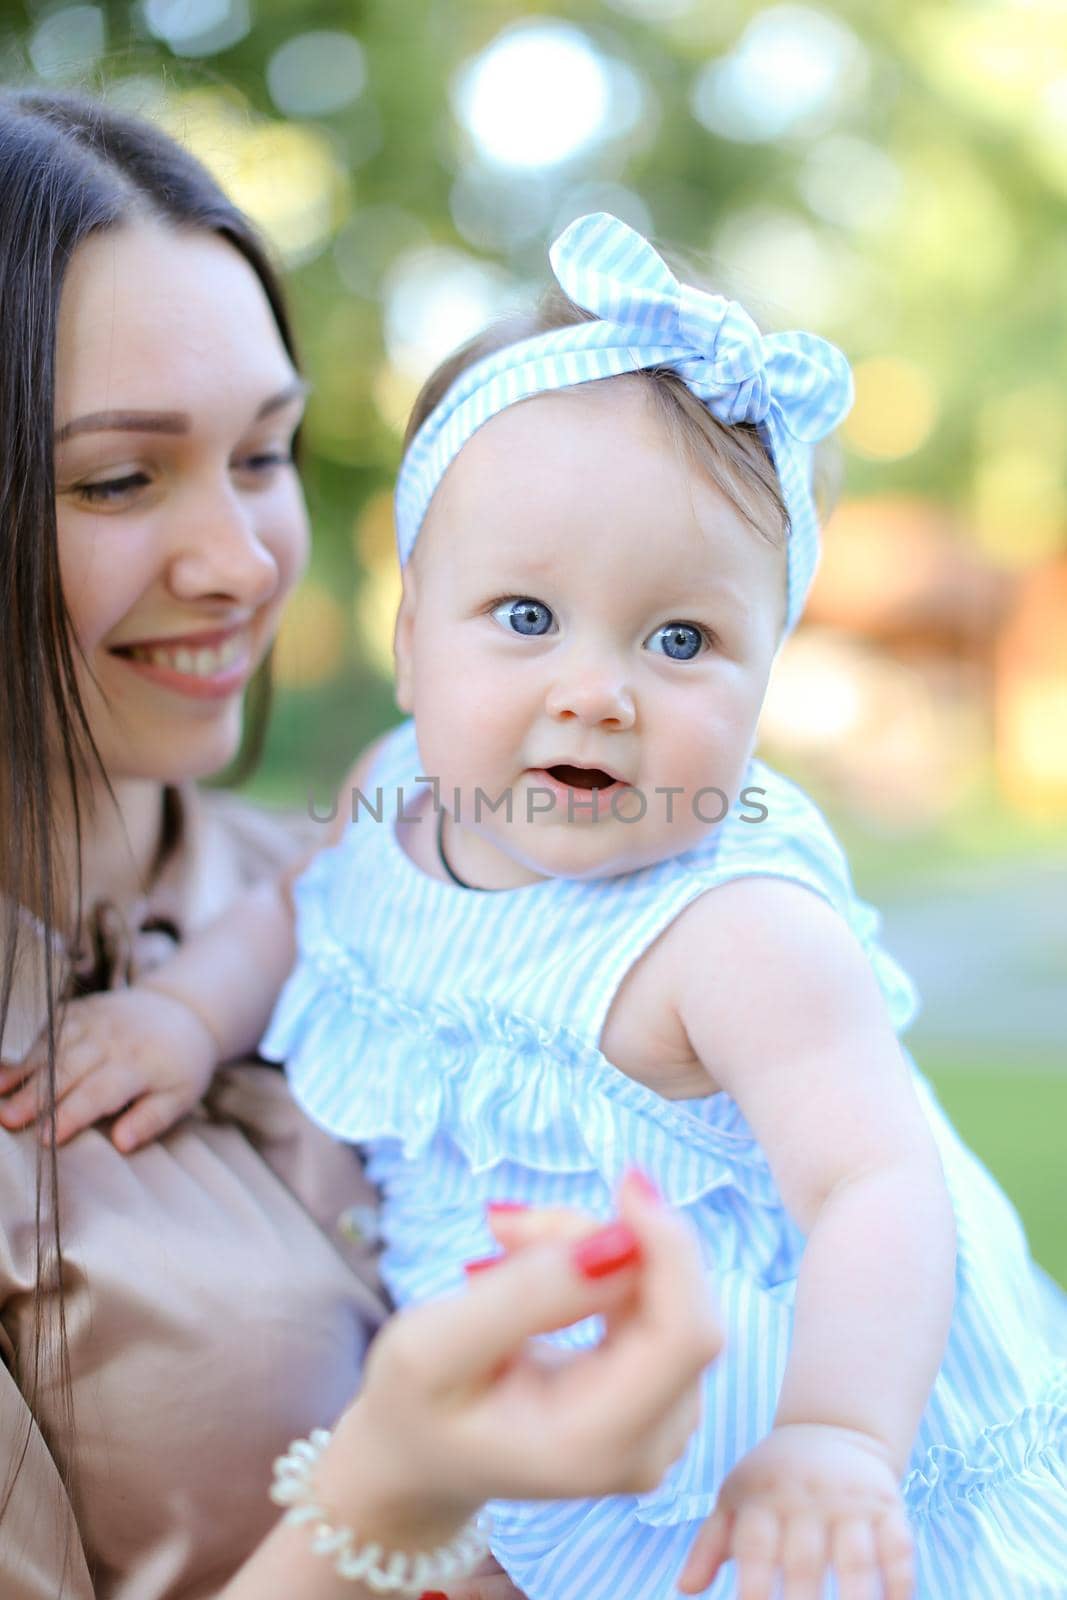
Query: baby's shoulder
point(743, 916)
point(775, 831)
point(773, 877)
point(389, 762)
point(774, 809)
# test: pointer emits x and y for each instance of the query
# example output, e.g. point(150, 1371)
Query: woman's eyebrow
point(165, 421)
point(297, 390)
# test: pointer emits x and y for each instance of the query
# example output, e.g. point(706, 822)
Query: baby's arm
point(794, 1028)
point(149, 1052)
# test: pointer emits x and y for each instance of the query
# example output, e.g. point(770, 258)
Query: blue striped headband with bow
point(794, 386)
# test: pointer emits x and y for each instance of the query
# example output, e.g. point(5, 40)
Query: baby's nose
point(593, 697)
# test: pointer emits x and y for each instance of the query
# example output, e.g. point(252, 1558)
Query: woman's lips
point(203, 667)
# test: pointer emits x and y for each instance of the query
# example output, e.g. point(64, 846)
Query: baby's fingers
point(755, 1548)
point(805, 1552)
point(75, 1059)
point(896, 1554)
point(499, 1587)
point(14, 1073)
point(100, 1093)
point(149, 1117)
point(855, 1559)
point(490, 1582)
point(22, 1107)
point(20, 1075)
point(710, 1549)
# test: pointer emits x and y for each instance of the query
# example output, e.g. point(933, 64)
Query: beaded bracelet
point(399, 1573)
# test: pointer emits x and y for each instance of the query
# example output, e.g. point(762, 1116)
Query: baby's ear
point(404, 643)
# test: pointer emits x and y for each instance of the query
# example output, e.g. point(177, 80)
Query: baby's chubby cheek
point(463, 733)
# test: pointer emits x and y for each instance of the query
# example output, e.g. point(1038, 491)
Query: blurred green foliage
point(914, 207)
point(1014, 1116)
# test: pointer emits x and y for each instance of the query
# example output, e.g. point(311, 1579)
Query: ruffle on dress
point(984, 1520)
point(368, 1065)
point(1028, 1449)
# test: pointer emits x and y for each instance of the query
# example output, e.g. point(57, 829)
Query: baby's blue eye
point(681, 641)
point(528, 617)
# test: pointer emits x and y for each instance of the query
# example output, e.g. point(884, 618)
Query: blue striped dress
point(454, 1035)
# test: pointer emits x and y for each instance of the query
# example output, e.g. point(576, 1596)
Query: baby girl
point(568, 925)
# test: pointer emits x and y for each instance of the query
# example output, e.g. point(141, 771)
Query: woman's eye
point(681, 641)
point(528, 617)
point(111, 488)
point(266, 460)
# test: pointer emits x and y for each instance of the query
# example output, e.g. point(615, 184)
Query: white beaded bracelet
point(399, 1573)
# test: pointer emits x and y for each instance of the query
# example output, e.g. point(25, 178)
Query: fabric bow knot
point(739, 373)
point(793, 386)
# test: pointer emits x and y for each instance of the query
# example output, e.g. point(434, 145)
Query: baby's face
point(587, 624)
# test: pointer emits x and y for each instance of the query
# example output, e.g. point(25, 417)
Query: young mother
point(170, 1319)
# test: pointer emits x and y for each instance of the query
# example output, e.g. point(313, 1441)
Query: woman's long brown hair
point(69, 167)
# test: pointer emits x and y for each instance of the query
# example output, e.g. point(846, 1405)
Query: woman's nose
point(596, 695)
point(219, 553)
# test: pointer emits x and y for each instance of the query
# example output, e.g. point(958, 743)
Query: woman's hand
point(808, 1499)
point(461, 1404)
point(138, 1051)
point(489, 1582)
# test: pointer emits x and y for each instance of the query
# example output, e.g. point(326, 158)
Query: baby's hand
point(139, 1049)
point(809, 1498)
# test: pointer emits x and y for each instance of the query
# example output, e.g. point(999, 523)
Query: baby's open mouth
point(582, 777)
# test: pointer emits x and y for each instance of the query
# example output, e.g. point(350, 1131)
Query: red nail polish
point(606, 1251)
point(433, 1594)
point(644, 1185)
point(502, 1207)
point(483, 1264)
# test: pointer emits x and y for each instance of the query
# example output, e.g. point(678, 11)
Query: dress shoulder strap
point(780, 833)
point(395, 766)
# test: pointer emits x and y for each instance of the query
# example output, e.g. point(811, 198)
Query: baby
point(568, 925)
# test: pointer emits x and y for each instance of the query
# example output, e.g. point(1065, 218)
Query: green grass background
point(1015, 1120)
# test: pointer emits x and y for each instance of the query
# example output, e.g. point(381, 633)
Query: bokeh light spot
point(595, 195)
point(792, 71)
point(285, 175)
point(198, 27)
point(370, 242)
point(67, 43)
point(317, 73)
point(1020, 507)
point(536, 96)
point(498, 209)
point(434, 300)
point(851, 182)
point(781, 266)
point(310, 647)
point(654, 10)
point(895, 411)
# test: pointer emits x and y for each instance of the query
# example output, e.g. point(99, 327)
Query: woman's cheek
point(290, 540)
point(101, 583)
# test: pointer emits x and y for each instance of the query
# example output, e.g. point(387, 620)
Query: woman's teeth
point(201, 663)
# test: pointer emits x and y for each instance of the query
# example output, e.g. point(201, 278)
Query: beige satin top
point(215, 1310)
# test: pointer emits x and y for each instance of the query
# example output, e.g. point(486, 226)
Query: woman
point(170, 1319)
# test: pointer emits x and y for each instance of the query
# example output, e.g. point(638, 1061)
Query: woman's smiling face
point(180, 517)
